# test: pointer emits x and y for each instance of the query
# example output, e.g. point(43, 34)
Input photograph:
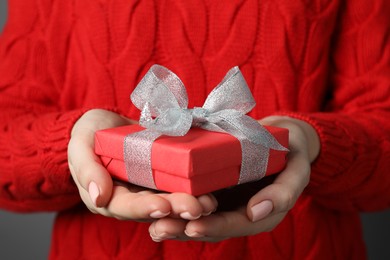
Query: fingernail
point(207, 213)
point(158, 214)
point(94, 192)
point(261, 210)
point(193, 234)
point(215, 201)
point(187, 215)
point(162, 237)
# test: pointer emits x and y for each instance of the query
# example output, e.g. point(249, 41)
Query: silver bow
point(163, 101)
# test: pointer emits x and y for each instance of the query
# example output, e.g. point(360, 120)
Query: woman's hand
point(121, 200)
point(267, 208)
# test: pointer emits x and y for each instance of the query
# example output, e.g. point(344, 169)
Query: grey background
point(27, 236)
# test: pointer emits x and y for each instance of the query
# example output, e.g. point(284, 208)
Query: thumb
point(92, 179)
point(260, 206)
point(281, 195)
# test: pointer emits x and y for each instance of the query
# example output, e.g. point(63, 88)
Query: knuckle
point(306, 181)
point(287, 200)
point(227, 224)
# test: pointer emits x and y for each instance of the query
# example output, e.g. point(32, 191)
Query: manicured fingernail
point(158, 214)
point(187, 215)
point(207, 213)
point(261, 210)
point(193, 234)
point(158, 240)
point(161, 237)
point(94, 192)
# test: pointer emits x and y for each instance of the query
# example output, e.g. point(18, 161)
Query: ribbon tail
point(254, 156)
point(255, 141)
point(252, 130)
point(137, 157)
point(254, 161)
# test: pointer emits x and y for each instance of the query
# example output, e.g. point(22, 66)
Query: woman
point(320, 69)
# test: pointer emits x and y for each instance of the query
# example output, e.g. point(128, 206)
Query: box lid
point(198, 152)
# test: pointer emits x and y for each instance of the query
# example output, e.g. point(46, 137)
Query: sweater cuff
point(337, 151)
point(55, 143)
point(38, 177)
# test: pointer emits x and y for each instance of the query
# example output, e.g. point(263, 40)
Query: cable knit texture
point(322, 61)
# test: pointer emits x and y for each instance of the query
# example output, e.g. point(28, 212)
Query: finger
point(167, 228)
point(86, 198)
point(126, 205)
point(225, 225)
point(209, 204)
point(86, 168)
point(218, 225)
point(282, 194)
point(184, 205)
point(88, 172)
point(207, 201)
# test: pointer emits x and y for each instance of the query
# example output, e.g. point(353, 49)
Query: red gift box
point(197, 163)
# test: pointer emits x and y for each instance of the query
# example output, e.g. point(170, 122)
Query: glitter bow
point(163, 101)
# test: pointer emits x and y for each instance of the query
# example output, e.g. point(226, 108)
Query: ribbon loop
point(163, 101)
point(160, 89)
point(232, 93)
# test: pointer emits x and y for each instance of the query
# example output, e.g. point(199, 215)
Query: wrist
point(97, 119)
point(298, 130)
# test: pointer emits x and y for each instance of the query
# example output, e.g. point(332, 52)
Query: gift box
point(197, 163)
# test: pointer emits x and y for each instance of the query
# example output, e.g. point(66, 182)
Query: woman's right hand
point(121, 200)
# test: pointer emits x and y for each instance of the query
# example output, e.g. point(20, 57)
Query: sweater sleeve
point(352, 170)
point(34, 130)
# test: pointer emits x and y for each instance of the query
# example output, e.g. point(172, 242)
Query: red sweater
point(322, 61)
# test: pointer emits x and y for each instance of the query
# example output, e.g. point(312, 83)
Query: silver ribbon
point(163, 101)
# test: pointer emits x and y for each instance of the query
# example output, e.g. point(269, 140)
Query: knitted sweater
point(322, 61)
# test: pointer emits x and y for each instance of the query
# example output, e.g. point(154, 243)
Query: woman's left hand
point(267, 208)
